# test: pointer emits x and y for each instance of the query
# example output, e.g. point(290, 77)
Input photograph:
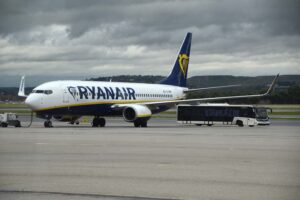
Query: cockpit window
point(42, 91)
point(48, 91)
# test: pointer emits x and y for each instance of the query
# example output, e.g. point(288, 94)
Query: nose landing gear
point(48, 124)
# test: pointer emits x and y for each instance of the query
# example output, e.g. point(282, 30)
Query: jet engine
point(133, 113)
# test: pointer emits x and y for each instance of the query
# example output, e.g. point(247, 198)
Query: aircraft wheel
point(95, 122)
point(144, 123)
point(48, 124)
point(140, 123)
point(136, 124)
point(102, 122)
point(98, 122)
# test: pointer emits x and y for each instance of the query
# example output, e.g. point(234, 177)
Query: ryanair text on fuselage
point(93, 92)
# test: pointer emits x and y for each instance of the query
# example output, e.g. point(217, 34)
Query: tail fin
point(179, 72)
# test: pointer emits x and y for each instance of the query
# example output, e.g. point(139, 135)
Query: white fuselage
point(96, 98)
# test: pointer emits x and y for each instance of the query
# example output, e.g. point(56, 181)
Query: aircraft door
point(65, 96)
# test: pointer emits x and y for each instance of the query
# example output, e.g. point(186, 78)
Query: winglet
point(271, 88)
point(21, 92)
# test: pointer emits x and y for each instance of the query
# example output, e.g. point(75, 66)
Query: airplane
point(69, 100)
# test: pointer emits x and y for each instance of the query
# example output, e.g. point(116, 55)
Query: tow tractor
point(9, 119)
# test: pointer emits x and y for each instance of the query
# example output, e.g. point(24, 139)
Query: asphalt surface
point(164, 161)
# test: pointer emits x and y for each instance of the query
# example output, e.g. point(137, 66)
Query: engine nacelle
point(66, 118)
point(134, 112)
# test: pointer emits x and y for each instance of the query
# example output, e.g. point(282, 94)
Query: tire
point(144, 124)
point(102, 122)
point(4, 125)
point(95, 122)
point(18, 124)
point(48, 124)
point(239, 123)
point(136, 124)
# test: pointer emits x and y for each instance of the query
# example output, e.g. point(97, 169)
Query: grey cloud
point(275, 15)
point(143, 37)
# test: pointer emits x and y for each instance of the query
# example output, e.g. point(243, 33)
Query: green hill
point(286, 91)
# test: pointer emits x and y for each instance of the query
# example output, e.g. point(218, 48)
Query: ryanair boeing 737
point(136, 102)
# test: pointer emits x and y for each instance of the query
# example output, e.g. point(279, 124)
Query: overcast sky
point(57, 39)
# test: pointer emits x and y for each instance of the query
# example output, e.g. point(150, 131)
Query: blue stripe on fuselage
point(91, 110)
point(96, 110)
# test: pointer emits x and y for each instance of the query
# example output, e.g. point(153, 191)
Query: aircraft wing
point(209, 88)
point(191, 101)
point(187, 101)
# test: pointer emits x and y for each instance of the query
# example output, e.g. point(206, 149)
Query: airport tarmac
point(164, 161)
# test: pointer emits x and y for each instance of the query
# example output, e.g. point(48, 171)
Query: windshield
point(261, 113)
point(42, 91)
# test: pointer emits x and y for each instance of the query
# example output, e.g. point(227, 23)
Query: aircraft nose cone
point(28, 101)
point(31, 102)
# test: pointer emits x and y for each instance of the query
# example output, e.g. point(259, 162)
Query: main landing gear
point(98, 121)
point(140, 123)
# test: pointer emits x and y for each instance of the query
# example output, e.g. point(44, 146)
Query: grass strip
point(12, 105)
point(284, 113)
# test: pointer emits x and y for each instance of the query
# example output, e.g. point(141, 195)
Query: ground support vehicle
point(226, 114)
point(9, 119)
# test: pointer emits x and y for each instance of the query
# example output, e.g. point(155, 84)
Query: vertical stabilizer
point(178, 75)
